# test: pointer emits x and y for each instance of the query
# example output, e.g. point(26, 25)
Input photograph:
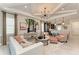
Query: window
point(10, 23)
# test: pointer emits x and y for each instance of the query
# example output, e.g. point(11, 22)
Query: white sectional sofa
point(16, 49)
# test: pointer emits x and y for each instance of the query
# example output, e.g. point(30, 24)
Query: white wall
point(21, 18)
point(75, 27)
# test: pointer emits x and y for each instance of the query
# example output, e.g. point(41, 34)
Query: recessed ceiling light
point(5, 8)
point(25, 6)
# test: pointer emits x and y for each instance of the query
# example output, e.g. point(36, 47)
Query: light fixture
point(25, 6)
point(55, 24)
point(63, 21)
point(5, 8)
point(45, 12)
point(55, 21)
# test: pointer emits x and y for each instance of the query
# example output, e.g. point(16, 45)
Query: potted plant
point(30, 23)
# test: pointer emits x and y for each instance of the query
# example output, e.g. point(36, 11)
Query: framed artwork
point(23, 26)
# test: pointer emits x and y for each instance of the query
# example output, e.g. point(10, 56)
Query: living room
point(36, 29)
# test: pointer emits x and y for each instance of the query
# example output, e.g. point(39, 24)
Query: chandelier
point(45, 12)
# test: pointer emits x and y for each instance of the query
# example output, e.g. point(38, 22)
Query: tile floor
point(70, 48)
point(4, 50)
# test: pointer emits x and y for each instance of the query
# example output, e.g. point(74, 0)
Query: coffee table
point(45, 41)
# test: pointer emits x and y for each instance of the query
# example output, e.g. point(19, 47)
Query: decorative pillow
point(54, 39)
point(23, 42)
point(59, 37)
point(18, 38)
point(62, 36)
point(22, 37)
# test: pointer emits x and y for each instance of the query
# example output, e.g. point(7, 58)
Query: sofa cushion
point(23, 42)
point(20, 39)
point(59, 37)
point(53, 39)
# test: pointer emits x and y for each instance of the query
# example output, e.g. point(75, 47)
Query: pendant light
point(63, 21)
point(55, 22)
